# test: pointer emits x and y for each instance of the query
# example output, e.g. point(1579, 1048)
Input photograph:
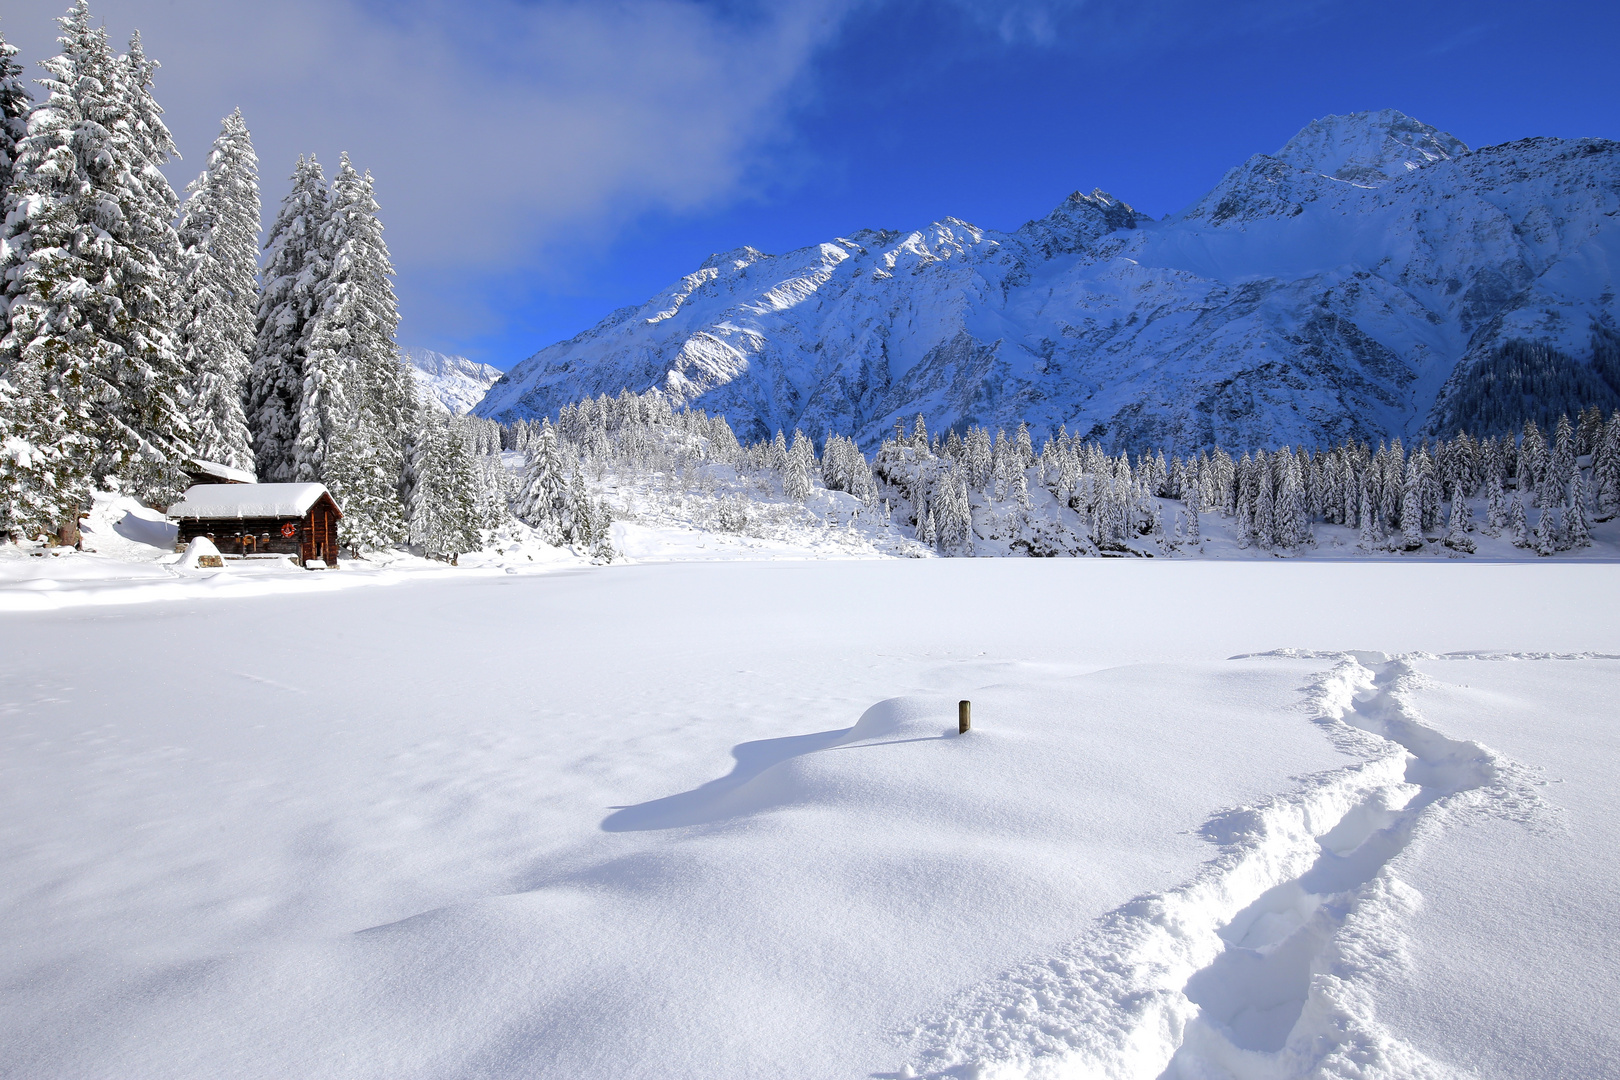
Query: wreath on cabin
point(289, 530)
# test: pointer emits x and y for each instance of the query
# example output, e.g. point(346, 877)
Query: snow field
point(1517, 978)
point(691, 820)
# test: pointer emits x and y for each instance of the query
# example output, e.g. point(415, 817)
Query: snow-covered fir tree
point(88, 263)
point(294, 273)
point(1460, 523)
point(542, 500)
point(1577, 527)
point(1606, 469)
point(15, 103)
point(445, 518)
point(354, 381)
point(218, 294)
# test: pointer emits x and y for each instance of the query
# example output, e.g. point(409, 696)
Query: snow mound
point(201, 554)
point(124, 528)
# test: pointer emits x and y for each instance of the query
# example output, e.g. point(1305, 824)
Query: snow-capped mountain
point(453, 383)
point(1366, 280)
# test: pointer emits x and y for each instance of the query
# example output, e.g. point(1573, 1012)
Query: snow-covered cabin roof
point(248, 500)
point(199, 467)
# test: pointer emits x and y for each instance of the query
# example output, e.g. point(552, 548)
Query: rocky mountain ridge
point(452, 383)
point(1367, 280)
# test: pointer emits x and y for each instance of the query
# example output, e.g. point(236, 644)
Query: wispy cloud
point(491, 128)
point(1462, 39)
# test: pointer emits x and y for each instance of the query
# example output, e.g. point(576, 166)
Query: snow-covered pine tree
point(152, 379)
point(1496, 513)
point(1606, 469)
point(1589, 431)
point(1292, 520)
point(1265, 502)
point(32, 447)
point(542, 501)
point(1391, 486)
point(42, 479)
point(1461, 522)
point(353, 373)
point(1350, 497)
point(1518, 526)
point(87, 264)
point(445, 514)
point(1548, 530)
point(361, 481)
point(1429, 490)
point(293, 275)
point(15, 103)
point(1370, 537)
point(1561, 464)
point(1022, 446)
point(1532, 459)
point(589, 525)
point(1412, 507)
point(1577, 530)
point(218, 294)
point(796, 473)
point(953, 516)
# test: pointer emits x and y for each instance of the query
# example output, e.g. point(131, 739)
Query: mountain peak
point(1369, 148)
point(452, 383)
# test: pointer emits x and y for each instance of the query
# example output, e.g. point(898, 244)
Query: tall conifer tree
point(354, 377)
point(88, 273)
point(219, 228)
point(293, 275)
point(15, 103)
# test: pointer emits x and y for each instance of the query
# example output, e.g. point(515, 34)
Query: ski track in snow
point(1258, 968)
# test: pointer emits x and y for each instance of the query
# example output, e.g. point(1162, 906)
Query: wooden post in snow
point(964, 717)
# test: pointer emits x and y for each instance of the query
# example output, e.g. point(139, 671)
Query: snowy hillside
point(454, 383)
point(1374, 277)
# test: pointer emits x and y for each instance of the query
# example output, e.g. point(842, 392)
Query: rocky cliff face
point(1359, 282)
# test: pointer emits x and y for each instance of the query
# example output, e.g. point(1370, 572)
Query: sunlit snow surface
point(690, 820)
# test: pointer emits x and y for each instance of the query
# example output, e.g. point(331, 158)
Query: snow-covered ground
point(696, 820)
point(127, 556)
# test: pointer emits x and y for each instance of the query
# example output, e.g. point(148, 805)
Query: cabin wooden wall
point(319, 533)
point(228, 535)
point(315, 535)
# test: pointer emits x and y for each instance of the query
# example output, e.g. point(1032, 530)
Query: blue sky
point(542, 162)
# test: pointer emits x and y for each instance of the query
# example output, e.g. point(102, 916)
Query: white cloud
point(493, 129)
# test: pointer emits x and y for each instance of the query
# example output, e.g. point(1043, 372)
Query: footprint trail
point(1257, 968)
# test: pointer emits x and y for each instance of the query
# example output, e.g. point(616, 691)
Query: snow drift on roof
point(247, 500)
point(224, 472)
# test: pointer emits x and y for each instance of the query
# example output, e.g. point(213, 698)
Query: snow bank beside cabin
point(128, 556)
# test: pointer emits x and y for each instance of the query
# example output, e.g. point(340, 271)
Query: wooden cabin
point(212, 472)
point(254, 519)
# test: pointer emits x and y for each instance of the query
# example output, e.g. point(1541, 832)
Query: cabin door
point(317, 533)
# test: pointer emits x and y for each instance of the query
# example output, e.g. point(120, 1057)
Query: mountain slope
point(452, 383)
point(1355, 283)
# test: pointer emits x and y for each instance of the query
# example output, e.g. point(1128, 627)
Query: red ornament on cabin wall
point(289, 530)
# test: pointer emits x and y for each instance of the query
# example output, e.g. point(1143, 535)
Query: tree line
point(141, 335)
point(962, 490)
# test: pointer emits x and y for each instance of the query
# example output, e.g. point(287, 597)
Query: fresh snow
point(223, 472)
point(247, 500)
point(686, 820)
point(453, 384)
